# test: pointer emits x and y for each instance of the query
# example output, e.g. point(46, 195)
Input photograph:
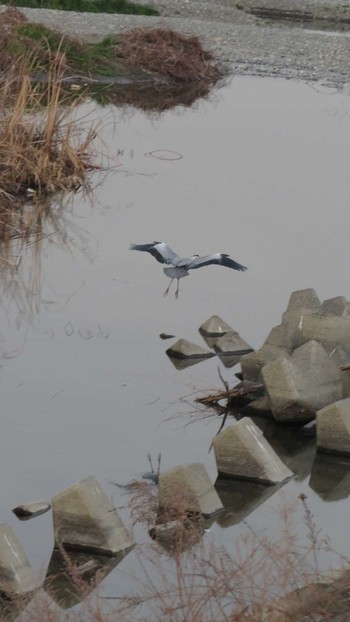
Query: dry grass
point(43, 152)
point(169, 53)
point(262, 579)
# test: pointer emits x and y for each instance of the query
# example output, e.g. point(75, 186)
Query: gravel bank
point(248, 44)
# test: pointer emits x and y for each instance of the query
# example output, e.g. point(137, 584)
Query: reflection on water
point(263, 177)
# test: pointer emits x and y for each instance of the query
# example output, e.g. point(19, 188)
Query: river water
point(260, 170)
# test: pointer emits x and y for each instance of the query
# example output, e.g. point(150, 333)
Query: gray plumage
point(180, 265)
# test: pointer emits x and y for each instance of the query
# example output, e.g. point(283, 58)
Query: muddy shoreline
point(313, 44)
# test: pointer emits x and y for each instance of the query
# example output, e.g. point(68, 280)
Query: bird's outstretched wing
point(162, 252)
point(221, 259)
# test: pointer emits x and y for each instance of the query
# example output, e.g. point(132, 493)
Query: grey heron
point(179, 266)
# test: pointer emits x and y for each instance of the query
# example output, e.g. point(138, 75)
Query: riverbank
point(316, 48)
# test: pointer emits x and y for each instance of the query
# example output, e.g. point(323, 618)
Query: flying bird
point(179, 266)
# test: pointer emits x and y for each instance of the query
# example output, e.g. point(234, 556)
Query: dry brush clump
point(43, 150)
point(168, 53)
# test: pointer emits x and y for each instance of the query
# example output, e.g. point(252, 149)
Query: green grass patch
point(89, 58)
point(89, 6)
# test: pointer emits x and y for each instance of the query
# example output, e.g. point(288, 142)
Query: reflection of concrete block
point(16, 575)
point(300, 385)
point(241, 451)
point(188, 488)
point(70, 578)
point(333, 427)
point(85, 519)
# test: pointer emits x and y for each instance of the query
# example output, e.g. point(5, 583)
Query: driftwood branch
point(228, 394)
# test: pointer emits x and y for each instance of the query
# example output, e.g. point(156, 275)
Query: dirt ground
point(311, 44)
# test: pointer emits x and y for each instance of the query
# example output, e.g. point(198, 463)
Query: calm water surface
point(85, 383)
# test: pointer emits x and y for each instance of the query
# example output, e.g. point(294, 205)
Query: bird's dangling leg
point(177, 290)
point(167, 289)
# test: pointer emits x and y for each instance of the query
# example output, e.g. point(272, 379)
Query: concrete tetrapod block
point(333, 427)
point(215, 326)
point(329, 330)
point(300, 385)
point(334, 306)
point(186, 349)
point(303, 301)
point(241, 451)
point(85, 519)
point(16, 575)
point(189, 487)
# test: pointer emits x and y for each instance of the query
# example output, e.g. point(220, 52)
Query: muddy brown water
point(85, 383)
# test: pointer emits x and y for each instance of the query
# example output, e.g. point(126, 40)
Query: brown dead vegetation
point(169, 53)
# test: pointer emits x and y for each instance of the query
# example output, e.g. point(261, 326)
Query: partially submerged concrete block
point(85, 519)
point(241, 451)
point(25, 511)
point(16, 575)
point(300, 385)
point(186, 349)
point(215, 326)
point(190, 488)
point(232, 343)
point(333, 427)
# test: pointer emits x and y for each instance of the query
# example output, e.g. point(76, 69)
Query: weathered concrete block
point(329, 330)
point(85, 519)
point(215, 326)
point(25, 511)
point(334, 306)
point(252, 364)
point(189, 487)
point(16, 575)
point(300, 385)
point(333, 427)
point(277, 344)
point(185, 349)
point(232, 343)
point(304, 301)
point(241, 451)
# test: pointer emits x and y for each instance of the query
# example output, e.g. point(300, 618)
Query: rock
point(329, 330)
point(188, 488)
point(241, 451)
point(185, 349)
point(85, 519)
point(298, 386)
point(215, 327)
point(333, 427)
point(25, 511)
point(16, 575)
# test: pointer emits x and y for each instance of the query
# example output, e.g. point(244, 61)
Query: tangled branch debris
point(228, 394)
point(168, 53)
